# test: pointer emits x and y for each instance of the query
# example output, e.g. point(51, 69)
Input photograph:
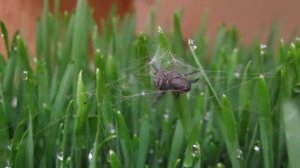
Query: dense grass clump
point(86, 97)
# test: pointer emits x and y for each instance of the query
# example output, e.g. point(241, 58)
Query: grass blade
point(4, 134)
point(5, 36)
point(230, 132)
point(215, 98)
point(125, 140)
point(30, 143)
point(176, 145)
point(82, 112)
point(79, 45)
point(114, 160)
point(66, 129)
point(143, 143)
point(178, 39)
point(291, 118)
point(265, 121)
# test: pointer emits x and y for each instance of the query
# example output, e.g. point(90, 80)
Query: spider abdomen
point(180, 84)
point(172, 81)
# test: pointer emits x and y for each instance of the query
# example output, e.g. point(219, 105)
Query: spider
point(172, 81)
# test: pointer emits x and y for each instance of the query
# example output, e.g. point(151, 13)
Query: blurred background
point(252, 18)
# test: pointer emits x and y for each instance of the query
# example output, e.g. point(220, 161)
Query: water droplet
point(14, 102)
point(207, 116)
point(90, 157)
point(256, 149)
point(143, 93)
point(7, 164)
point(193, 47)
point(166, 116)
point(262, 48)
point(159, 29)
point(261, 76)
point(237, 74)
point(35, 60)
point(293, 45)
point(15, 48)
point(60, 156)
point(191, 44)
point(297, 88)
point(151, 151)
point(111, 129)
point(239, 154)
point(196, 150)
point(9, 146)
point(24, 75)
point(220, 165)
point(2, 35)
point(160, 160)
point(44, 105)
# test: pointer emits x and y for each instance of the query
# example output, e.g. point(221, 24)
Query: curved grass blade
point(265, 121)
point(10, 69)
point(65, 134)
point(215, 98)
point(16, 142)
point(124, 139)
point(56, 113)
point(5, 36)
point(82, 112)
point(244, 102)
point(229, 129)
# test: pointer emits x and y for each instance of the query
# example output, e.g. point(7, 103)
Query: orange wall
point(22, 14)
point(249, 16)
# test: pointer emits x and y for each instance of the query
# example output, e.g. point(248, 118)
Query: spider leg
point(191, 73)
point(158, 97)
point(194, 80)
point(176, 94)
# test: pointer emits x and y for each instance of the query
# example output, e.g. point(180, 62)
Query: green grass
point(86, 97)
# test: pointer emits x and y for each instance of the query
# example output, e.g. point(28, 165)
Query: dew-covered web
point(165, 60)
point(137, 82)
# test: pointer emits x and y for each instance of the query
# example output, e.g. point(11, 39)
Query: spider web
point(162, 60)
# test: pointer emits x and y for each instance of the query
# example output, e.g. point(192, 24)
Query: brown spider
point(172, 81)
